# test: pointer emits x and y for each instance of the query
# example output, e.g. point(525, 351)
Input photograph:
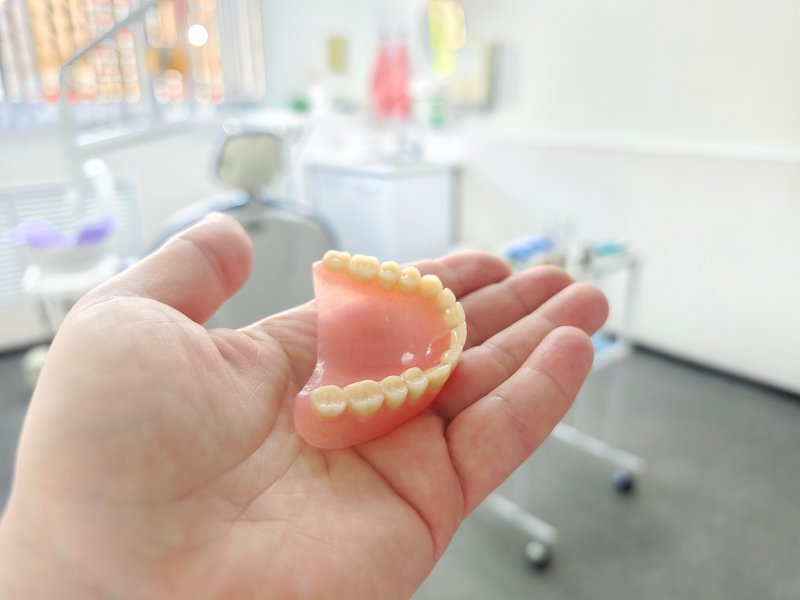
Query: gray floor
point(717, 514)
point(13, 404)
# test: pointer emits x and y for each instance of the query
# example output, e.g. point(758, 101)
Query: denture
point(388, 338)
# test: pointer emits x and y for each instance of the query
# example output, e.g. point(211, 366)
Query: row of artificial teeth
point(389, 274)
point(365, 398)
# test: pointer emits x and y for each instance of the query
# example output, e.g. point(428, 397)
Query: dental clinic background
point(663, 135)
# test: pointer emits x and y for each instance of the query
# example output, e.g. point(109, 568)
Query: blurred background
point(650, 147)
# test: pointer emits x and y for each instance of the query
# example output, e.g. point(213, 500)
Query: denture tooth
point(450, 356)
point(445, 299)
point(458, 334)
point(454, 316)
point(395, 391)
point(416, 381)
point(363, 268)
point(438, 375)
point(364, 397)
point(388, 275)
point(410, 279)
point(328, 401)
point(336, 261)
point(430, 286)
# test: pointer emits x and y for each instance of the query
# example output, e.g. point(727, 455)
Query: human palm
point(166, 461)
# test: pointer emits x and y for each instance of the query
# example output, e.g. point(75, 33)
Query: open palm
point(160, 459)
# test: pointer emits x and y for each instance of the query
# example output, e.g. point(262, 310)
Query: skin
point(159, 459)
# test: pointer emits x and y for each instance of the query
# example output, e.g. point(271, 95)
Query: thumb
point(194, 272)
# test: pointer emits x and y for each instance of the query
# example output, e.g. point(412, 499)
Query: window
point(182, 52)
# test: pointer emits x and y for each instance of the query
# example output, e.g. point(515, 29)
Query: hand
point(159, 458)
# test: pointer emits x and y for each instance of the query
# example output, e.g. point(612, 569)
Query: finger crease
point(502, 356)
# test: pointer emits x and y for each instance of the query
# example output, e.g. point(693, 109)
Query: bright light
point(197, 35)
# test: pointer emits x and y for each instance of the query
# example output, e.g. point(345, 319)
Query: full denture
point(390, 400)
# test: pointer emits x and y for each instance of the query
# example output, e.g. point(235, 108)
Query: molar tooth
point(437, 376)
point(364, 268)
point(328, 401)
point(430, 286)
point(454, 315)
point(416, 381)
point(445, 299)
point(388, 274)
point(394, 391)
point(410, 280)
point(458, 335)
point(364, 397)
point(451, 356)
point(336, 261)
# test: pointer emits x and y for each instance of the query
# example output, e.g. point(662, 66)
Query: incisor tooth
point(437, 376)
point(364, 268)
point(458, 334)
point(430, 286)
point(328, 401)
point(416, 381)
point(394, 391)
point(454, 316)
point(336, 261)
point(388, 274)
point(410, 280)
point(364, 397)
point(445, 299)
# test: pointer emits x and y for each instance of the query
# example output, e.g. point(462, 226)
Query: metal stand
point(627, 467)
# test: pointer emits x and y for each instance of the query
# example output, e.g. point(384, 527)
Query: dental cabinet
point(395, 211)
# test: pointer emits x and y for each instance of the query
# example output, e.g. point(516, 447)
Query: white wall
point(717, 241)
point(710, 71)
point(296, 35)
point(674, 125)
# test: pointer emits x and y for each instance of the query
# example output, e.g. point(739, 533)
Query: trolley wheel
point(624, 481)
point(538, 555)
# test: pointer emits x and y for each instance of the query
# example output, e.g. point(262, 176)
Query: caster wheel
point(538, 555)
point(624, 481)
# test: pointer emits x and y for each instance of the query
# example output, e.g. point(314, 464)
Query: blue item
point(529, 247)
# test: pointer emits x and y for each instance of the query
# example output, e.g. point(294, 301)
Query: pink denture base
point(366, 332)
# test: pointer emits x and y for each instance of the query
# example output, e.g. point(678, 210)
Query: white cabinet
point(394, 212)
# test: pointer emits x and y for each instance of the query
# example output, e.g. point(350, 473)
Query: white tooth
point(451, 356)
point(430, 286)
point(437, 376)
point(336, 261)
point(394, 391)
point(364, 268)
point(389, 274)
point(328, 401)
point(454, 316)
point(410, 280)
point(416, 381)
point(364, 397)
point(445, 299)
point(458, 335)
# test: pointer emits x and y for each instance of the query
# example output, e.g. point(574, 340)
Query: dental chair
point(287, 237)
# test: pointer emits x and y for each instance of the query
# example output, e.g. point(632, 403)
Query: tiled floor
point(717, 514)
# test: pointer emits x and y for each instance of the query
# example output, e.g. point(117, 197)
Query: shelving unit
point(627, 467)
